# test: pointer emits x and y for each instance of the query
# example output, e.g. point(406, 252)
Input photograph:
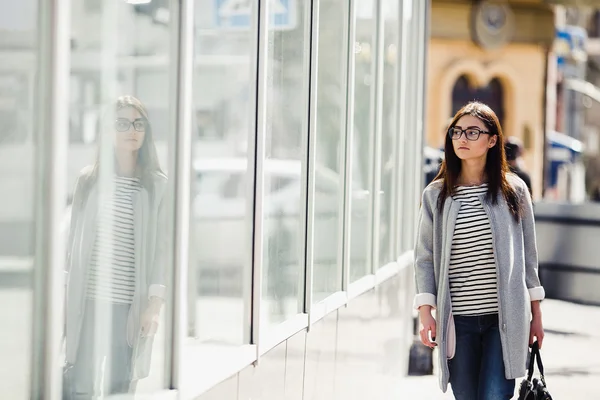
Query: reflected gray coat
point(150, 262)
point(515, 254)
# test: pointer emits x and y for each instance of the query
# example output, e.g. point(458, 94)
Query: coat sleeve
point(424, 270)
point(71, 223)
point(158, 274)
point(532, 280)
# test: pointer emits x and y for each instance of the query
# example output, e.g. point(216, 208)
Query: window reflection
point(362, 151)
point(120, 202)
point(389, 115)
point(18, 162)
point(285, 153)
point(330, 148)
point(116, 266)
point(221, 221)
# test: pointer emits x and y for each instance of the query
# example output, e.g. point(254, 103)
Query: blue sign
point(569, 42)
point(562, 149)
point(237, 14)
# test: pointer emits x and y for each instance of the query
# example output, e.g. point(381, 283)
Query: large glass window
point(363, 135)
point(329, 158)
point(120, 198)
point(18, 155)
point(222, 218)
point(388, 110)
point(285, 159)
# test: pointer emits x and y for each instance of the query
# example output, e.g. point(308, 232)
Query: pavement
point(570, 354)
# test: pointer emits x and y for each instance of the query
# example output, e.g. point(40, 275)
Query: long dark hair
point(496, 166)
point(147, 161)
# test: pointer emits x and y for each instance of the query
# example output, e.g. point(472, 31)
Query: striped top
point(112, 267)
point(472, 273)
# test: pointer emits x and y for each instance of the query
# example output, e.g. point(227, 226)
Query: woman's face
point(467, 149)
point(129, 129)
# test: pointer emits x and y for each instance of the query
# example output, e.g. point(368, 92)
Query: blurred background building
point(532, 62)
point(496, 52)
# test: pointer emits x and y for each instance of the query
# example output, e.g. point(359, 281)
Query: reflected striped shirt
point(112, 268)
point(472, 272)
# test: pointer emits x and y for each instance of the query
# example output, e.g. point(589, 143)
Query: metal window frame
point(345, 73)
point(417, 142)
point(421, 64)
point(414, 51)
point(182, 73)
point(372, 143)
point(312, 150)
point(349, 140)
point(259, 156)
point(307, 167)
point(250, 306)
point(51, 138)
point(410, 161)
point(408, 127)
point(377, 137)
point(401, 128)
point(394, 252)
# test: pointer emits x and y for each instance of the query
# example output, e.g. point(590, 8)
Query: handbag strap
point(535, 355)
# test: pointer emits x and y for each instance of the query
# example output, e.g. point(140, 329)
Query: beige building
point(496, 52)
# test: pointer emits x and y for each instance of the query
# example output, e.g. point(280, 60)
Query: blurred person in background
point(592, 177)
point(434, 168)
point(514, 156)
point(115, 261)
point(476, 263)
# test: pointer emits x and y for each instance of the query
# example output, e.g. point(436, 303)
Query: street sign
point(569, 45)
point(237, 14)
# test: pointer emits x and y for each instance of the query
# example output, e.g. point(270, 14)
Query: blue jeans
point(103, 356)
point(477, 369)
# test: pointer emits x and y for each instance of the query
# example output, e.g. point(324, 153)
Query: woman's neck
point(472, 172)
point(126, 163)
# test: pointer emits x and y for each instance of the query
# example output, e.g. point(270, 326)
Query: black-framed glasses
point(470, 133)
point(123, 124)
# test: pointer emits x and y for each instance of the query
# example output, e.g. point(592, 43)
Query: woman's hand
point(150, 317)
point(428, 325)
point(536, 329)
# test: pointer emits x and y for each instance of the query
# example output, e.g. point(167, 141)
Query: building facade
point(495, 52)
point(291, 135)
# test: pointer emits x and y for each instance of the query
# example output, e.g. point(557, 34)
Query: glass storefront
point(276, 181)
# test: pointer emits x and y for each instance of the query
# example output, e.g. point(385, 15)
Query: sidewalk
point(570, 354)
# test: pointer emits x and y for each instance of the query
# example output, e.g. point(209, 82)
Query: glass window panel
point(362, 152)
point(119, 210)
point(221, 226)
point(18, 57)
point(329, 177)
point(389, 115)
point(285, 153)
point(410, 88)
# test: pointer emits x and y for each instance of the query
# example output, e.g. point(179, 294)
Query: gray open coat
point(515, 254)
point(150, 262)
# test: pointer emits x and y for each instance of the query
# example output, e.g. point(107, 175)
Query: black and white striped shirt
point(473, 280)
point(112, 268)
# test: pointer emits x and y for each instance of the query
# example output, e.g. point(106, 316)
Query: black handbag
point(534, 389)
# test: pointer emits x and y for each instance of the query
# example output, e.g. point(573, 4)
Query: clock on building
point(492, 24)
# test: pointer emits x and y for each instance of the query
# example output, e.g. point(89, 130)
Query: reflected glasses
point(470, 133)
point(123, 124)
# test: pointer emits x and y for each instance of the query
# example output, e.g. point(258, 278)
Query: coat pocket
point(451, 338)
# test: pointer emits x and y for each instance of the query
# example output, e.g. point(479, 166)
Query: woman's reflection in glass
point(115, 268)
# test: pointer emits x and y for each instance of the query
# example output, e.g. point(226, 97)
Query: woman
point(476, 263)
point(115, 266)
